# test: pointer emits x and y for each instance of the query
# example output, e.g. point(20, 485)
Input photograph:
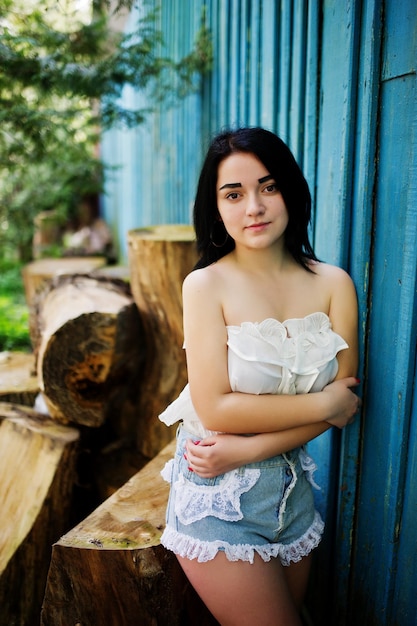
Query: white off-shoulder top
point(291, 357)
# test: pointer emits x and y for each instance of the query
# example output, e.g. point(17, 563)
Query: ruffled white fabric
point(222, 500)
point(167, 471)
point(295, 356)
point(182, 409)
point(203, 551)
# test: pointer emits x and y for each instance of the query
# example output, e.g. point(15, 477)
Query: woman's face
point(250, 204)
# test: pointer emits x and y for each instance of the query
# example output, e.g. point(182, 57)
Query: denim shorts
point(265, 508)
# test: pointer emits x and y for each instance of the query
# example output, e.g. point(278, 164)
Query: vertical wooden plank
point(336, 119)
point(337, 116)
point(269, 46)
point(193, 144)
point(403, 609)
point(210, 12)
point(390, 358)
point(222, 65)
point(338, 79)
point(285, 47)
point(243, 60)
point(298, 79)
point(363, 180)
point(311, 97)
point(255, 73)
point(234, 75)
point(385, 575)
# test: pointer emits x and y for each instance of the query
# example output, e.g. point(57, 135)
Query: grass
point(14, 314)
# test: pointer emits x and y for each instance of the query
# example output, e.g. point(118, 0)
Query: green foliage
point(60, 83)
point(14, 328)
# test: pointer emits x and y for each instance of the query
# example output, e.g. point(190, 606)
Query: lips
point(258, 226)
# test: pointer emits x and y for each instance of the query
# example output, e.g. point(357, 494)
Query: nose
point(255, 205)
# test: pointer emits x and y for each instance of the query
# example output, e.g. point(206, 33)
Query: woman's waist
point(292, 457)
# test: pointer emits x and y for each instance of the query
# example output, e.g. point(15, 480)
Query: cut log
point(159, 258)
point(90, 350)
point(113, 271)
point(111, 568)
point(18, 380)
point(38, 272)
point(37, 475)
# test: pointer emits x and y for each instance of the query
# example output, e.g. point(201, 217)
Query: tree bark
point(90, 351)
point(37, 475)
point(18, 380)
point(111, 568)
point(159, 258)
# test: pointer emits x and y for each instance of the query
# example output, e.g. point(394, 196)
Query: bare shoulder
point(204, 327)
point(343, 314)
point(331, 272)
point(337, 280)
point(201, 281)
point(203, 296)
point(343, 305)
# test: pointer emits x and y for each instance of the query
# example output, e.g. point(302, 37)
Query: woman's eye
point(271, 188)
point(233, 195)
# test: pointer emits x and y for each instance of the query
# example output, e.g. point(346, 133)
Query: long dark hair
point(281, 164)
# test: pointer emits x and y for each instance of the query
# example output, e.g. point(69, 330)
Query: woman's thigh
point(239, 593)
point(296, 575)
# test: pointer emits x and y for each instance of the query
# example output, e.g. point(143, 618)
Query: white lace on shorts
point(265, 508)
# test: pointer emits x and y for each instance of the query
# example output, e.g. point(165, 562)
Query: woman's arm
point(217, 406)
point(222, 453)
point(343, 314)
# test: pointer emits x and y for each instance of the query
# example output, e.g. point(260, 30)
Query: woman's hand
point(218, 454)
point(345, 404)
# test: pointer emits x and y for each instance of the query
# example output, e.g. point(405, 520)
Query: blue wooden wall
point(337, 80)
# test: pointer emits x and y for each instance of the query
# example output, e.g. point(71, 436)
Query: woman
point(265, 324)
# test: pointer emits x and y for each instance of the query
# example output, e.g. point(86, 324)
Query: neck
point(274, 258)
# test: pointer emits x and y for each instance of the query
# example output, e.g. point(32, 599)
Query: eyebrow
point(234, 185)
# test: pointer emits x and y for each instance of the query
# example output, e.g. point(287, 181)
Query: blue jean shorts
point(265, 508)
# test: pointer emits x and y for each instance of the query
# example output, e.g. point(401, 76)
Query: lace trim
point(301, 547)
point(192, 548)
point(309, 466)
point(194, 502)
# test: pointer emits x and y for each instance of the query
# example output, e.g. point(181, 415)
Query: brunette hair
point(281, 164)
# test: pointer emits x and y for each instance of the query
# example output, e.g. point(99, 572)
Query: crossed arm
point(284, 422)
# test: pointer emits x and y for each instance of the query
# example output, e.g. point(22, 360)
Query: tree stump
point(111, 568)
point(90, 351)
point(18, 380)
point(113, 271)
point(38, 272)
point(159, 259)
point(37, 475)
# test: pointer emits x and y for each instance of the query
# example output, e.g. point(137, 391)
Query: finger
point(194, 454)
point(354, 382)
point(191, 446)
point(197, 461)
